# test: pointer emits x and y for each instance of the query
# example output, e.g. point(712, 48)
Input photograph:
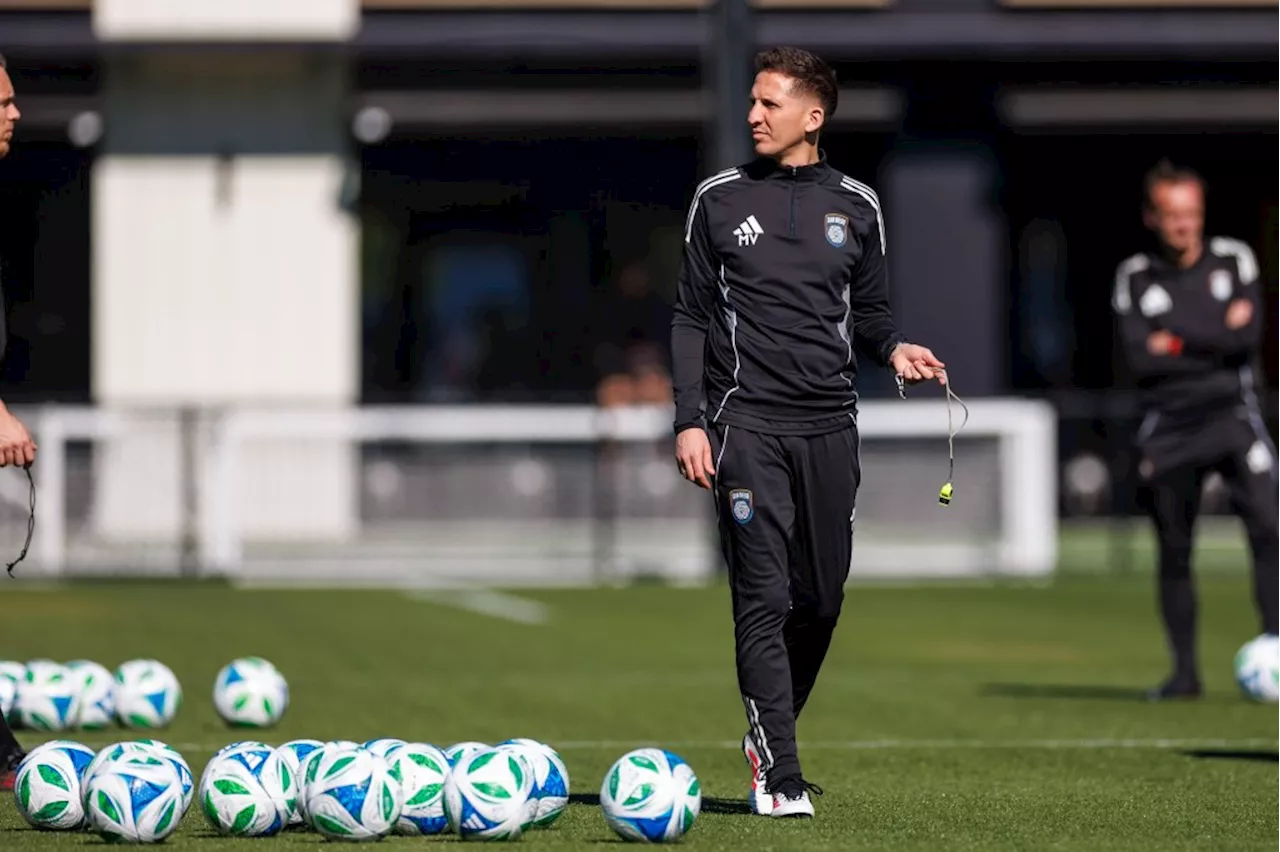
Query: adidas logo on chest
point(748, 232)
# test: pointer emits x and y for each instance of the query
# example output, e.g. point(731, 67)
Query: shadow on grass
point(1086, 692)
point(1259, 756)
point(709, 805)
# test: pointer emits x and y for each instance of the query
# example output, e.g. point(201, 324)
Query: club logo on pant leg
point(742, 505)
point(1259, 458)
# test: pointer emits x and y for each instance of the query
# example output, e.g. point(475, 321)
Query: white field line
point(893, 744)
point(486, 602)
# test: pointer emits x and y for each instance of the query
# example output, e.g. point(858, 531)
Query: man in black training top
point(1190, 321)
point(16, 446)
point(783, 278)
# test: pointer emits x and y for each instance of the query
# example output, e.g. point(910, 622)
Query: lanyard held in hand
point(31, 519)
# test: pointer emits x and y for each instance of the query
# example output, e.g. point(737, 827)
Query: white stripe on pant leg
point(1254, 414)
point(762, 742)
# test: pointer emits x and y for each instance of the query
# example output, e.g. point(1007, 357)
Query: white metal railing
point(1024, 488)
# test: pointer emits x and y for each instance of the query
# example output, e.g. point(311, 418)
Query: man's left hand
point(916, 363)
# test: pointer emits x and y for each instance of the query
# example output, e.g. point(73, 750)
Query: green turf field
point(964, 716)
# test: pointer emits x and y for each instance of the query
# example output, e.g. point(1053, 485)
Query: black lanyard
point(31, 520)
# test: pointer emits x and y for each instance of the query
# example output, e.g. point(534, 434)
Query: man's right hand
point(1239, 313)
point(693, 455)
point(16, 446)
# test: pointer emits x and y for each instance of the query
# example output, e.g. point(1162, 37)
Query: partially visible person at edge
point(16, 446)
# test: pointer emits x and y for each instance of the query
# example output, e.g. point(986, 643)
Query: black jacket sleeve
point(1133, 329)
point(874, 330)
point(1213, 339)
point(695, 301)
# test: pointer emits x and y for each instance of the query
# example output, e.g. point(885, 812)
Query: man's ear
point(814, 119)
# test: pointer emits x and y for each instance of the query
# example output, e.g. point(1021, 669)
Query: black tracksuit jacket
point(783, 277)
point(1211, 367)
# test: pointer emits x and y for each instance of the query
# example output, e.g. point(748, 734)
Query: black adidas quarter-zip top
point(783, 278)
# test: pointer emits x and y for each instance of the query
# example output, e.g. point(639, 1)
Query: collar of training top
point(766, 167)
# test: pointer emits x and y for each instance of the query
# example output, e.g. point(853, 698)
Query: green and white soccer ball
point(8, 693)
point(293, 753)
point(135, 799)
point(458, 751)
point(307, 770)
point(352, 795)
point(550, 778)
point(80, 755)
point(96, 704)
point(650, 796)
point(47, 790)
point(382, 745)
point(487, 795)
point(249, 793)
point(148, 694)
point(421, 770)
point(147, 748)
point(1257, 666)
point(48, 699)
point(250, 692)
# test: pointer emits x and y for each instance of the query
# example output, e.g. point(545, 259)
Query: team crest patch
point(1220, 284)
point(742, 505)
point(836, 227)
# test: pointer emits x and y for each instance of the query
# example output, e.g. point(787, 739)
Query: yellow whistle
point(944, 496)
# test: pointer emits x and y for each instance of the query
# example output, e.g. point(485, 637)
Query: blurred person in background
point(16, 446)
point(635, 328)
point(783, 277)
point(1189, 317)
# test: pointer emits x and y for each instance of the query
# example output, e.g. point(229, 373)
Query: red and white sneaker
point(792, 798)
point(9, 770)
point(761, 801)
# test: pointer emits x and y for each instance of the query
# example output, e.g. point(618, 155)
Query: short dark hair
point(1166, 171)
point(811, 74)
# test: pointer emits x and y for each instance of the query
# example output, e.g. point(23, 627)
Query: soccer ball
point(249, 792)
point(48, 698)
point(352, 795)
point(14, 671)
point(147, 694)
point(487, 795)
point(550, 778)
point(8, 692)
point(458, 751)
point(113, 752)
point(306, 771)
point(47, 790)
point(97, 698)
point(80, 755)
point(250, 693)
point(136, 799)
point(171, 754)
point(422, 770)
point(650, 795)
point(292, 754)
point(1257, 667)
point(381, 746)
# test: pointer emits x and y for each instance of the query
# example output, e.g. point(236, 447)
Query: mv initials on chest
point(748, 232)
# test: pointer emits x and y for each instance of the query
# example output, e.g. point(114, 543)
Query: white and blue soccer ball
point(293, 753)
point(550, 778)
point(382, 745)
point(249, 793)
point(80, 755)
point(650, 796)
point(114, 752)
point(172, 755)
point(352, 795)
point(13, 670)
point(250, 692)
point(47, 789)
point(135, 799)
point(421, 770)
point(1257, 666)
point(148, 694)
point(97, 699)
point(487, 795)
point(48, 698)
point(306, 770)
point(458, 751)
